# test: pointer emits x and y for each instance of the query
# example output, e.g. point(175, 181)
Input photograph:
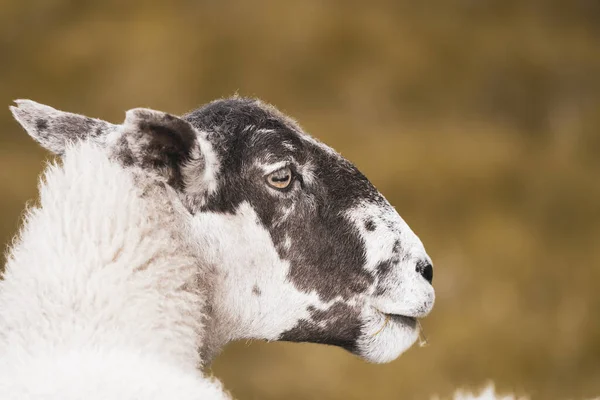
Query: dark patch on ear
point(41, 124)
point(340, 325)
point(55, 129)
point(157, 142)
point(123, 152)
point(256, 290)
point(167, 148)
point(77, 127)
point(370, 225)
point(167, 139)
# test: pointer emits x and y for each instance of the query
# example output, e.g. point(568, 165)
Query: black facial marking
point(326, 252)
point(385, 267)
point(340, 325)
point(41, 125)
point(256, 290)
point(370, 225)
point(310, 222)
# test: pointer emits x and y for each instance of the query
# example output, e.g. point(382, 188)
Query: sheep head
point(303, 247)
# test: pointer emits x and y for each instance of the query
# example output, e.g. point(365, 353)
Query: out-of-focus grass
point(479, 120)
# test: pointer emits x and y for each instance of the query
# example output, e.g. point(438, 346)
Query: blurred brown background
point(478, 119)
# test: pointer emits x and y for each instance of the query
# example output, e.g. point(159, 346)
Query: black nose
point(426, 270)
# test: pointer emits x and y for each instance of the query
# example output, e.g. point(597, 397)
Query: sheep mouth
point(403, 319)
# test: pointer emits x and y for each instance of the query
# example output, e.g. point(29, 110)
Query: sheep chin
point(384, 338)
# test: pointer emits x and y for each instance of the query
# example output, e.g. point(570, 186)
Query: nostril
point(426, 270)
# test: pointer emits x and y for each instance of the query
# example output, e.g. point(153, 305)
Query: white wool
point(487, 393)
point(100, 298)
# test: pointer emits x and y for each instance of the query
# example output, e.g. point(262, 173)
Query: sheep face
point(302, 245)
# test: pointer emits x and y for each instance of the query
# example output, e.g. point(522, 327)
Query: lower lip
point(410, 321)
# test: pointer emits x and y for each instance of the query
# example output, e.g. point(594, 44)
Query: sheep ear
point(157, 141)
point(55, 129)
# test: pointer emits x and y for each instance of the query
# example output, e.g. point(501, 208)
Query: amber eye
point(280, 179)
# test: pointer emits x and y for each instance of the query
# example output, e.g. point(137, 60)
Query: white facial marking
point(287, 243)
point(288, 146)
point(264, 130)
point(244, 255)
point(392, 252)
point(308, 173)
point(268, 168)
point(286, 214)
point(198, 179)
point(389, 229)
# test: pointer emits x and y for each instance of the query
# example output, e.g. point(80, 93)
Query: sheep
point(289, 241)
point(100, 297)
point(300, 245)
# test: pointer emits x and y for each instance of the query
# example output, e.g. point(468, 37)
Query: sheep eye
point(280, 179)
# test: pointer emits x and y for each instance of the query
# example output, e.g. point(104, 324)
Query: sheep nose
point(426, 270)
